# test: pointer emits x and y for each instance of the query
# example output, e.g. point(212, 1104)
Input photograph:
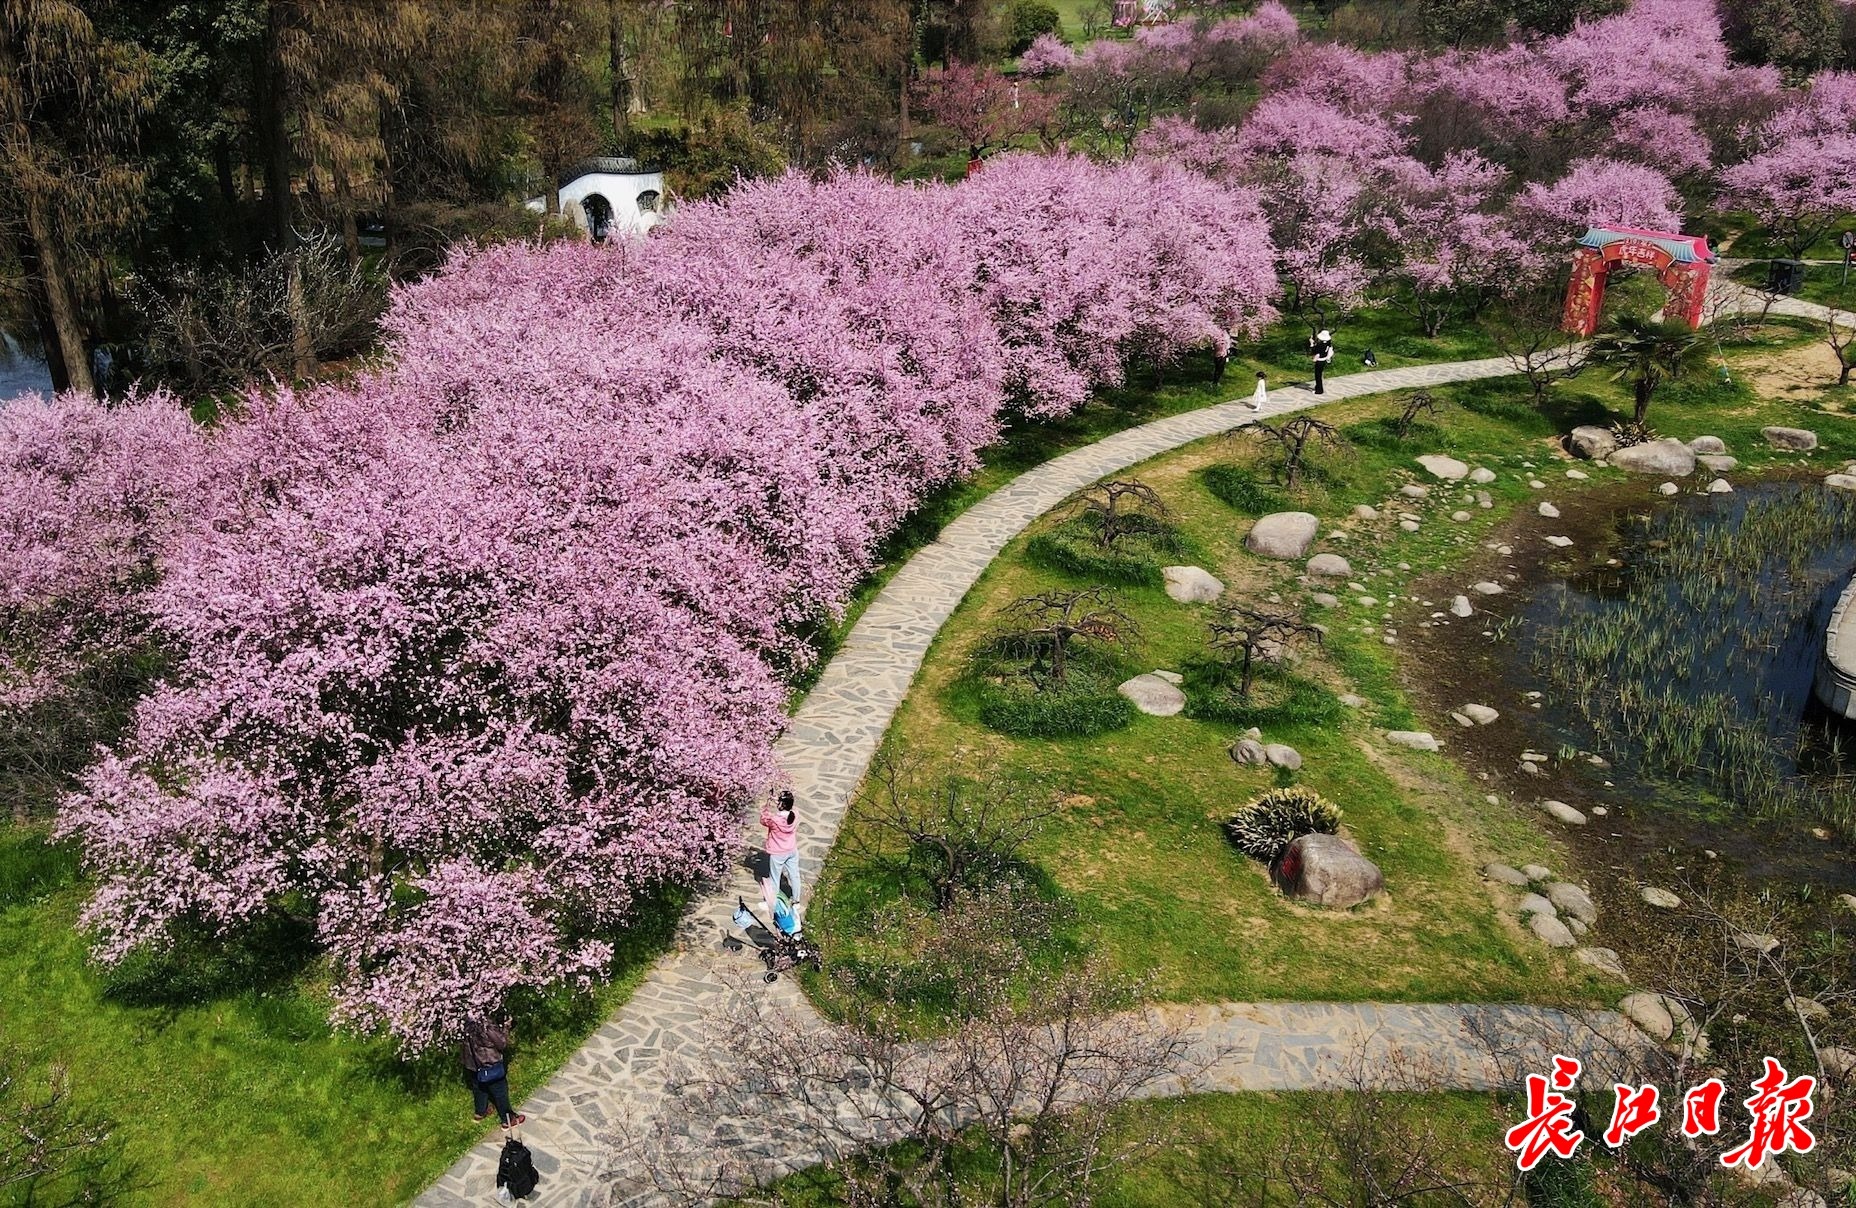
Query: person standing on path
point(782, 822)
point(1321, 351)
point(486, 1066)
point(1221, 356)
point(1261, 394)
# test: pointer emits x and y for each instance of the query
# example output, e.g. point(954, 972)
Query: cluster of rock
point(1559, 913)
point(1251, 749)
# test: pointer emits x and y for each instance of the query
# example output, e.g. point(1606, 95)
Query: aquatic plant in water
point(1687, 659)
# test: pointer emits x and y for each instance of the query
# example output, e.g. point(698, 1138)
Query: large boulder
point(1192, 584)
point(1661, 457)
point(1504, 874)
point(1249, 751)
point(1592, 441)
point(1417, 740)
point(1283, 534)
point(1796, 440)
point(1551, 931)
point(1153, 695)
point(1605, 960)
point(1447, 468)
point(1329, 870)
point(1282, 755)
point(1648, 1012)
point(1708, 444)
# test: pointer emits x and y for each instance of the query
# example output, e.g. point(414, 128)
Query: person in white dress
point(1261, 394)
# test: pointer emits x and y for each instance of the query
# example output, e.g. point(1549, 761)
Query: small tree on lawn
point(1121, 507)
point(1529, 331)
point(1245, 633)
point(1419, 403)
point(1047, 623)
point(1294, 436)
point(954, 833)
point(1648, 354)
point(1840, 334)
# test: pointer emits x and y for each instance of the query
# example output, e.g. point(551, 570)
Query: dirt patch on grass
point(1800, 373)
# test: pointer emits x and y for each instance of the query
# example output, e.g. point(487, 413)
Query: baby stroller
point(782, 946)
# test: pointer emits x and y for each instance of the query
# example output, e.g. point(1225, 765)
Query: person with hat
point(1321, 351)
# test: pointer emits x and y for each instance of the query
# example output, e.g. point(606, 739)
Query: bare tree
point(953, 833)
point(1244, 634)
point(51, 1149)
point(1529, 331)
point(1293, 437)
point(1016, 1105)
point(1047, 623)
point(1840, 334)
point(1420, 402)
point(1121, 507)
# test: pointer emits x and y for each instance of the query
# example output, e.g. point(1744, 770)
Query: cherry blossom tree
point(1593, 192)
point(1799, 188)
point(1447, 247)
point(982, 106)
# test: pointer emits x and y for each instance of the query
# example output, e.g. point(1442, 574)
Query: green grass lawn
point(242, 1094)
point(1137, 849)
point(1823, 283)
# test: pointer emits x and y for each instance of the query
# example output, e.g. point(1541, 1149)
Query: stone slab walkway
point(825, 750)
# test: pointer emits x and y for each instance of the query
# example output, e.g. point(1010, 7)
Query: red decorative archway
point(1682, 262)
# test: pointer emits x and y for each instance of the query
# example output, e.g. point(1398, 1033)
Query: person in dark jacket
point(1321, 352)
point(486, 1067)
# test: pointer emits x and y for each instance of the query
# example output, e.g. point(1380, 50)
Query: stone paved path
point(614, 1078)
point(825, 750)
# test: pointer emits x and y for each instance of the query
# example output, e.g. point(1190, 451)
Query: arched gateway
point(1682, 263)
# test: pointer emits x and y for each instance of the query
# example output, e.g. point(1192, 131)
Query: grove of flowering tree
point(465, 657)
point(462, 660)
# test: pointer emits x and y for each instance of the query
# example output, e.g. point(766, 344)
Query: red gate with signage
point(1682, 262)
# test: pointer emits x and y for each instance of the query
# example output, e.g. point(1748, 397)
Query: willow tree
point(70, 103)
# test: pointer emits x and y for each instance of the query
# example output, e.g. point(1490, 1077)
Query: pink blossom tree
point(982, 106)
point(1447, 247)
point(1799, 189)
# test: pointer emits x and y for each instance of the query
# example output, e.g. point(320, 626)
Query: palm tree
point(1647, 353)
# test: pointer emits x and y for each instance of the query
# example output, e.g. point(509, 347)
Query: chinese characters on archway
point(1776, 1112)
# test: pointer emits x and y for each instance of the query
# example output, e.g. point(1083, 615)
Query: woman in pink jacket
point(782, 823)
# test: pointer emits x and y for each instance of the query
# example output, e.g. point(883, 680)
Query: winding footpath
point(614, 1082)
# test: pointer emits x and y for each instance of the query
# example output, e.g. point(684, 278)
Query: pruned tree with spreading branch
point(1047, 624)
point(1245, 633)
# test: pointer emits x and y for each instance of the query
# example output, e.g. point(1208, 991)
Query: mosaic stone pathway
point(614, 1080)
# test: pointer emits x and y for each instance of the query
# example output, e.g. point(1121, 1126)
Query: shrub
point(1632, 432)
point(1239, 487)
point(1381, 434)
point(1029, 18)
point(1072, 549)
point(1264, 828)
point(1076, 711)
point(1276, 699)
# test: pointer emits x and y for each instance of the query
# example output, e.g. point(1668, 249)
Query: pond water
point(21, 369)
point(1678, 641)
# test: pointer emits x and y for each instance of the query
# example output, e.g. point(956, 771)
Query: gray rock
point(1488, 587)
point(1504, 875)
point(1153, 695)
point(1459, 516)
point(1559, 542)
point(1533, 903)
point(1565, 813)
point(1656, 457)
point(1417, 740)
point(1283, 535)
point(1796, 440)
point(1352, 700)
point(1365, 511)
point(1283, 756)
point(1578, 927)
point(1841, 482)
point(1577, 475)
point(1192, 584)
point(1548, 510)
point(1662, 899)
point(1648, 1012)
point(1329, 566)
point(1329, 870)
point(1593, 442)
point(1668, 488)
point(1412, 490)
point(1326, 599)
point(1409, 526)
point(1249, 751)
point(1839, 1063)
point(1808, 1008)
point(1756, 942)
point(1550, 931)
point(1537, 872)
point(1462, 720)
point(1482, 715)
point(1447, 468)
point(1720, 486)
point(1482, 475)
point(1461, 607)
point(1605, 960)
point(1712, 445)
point(1718, 463)
point(1847, 901)
point(1573, 901)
